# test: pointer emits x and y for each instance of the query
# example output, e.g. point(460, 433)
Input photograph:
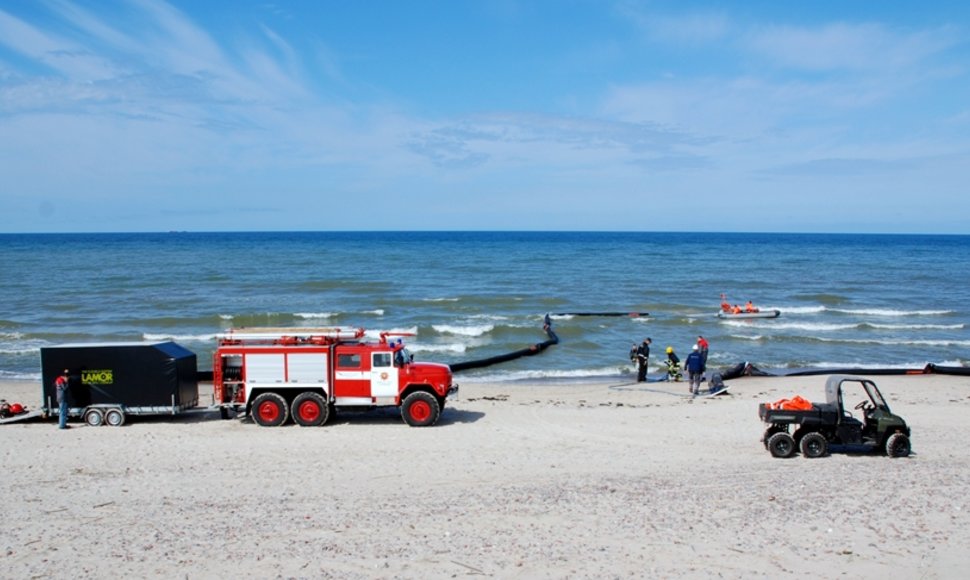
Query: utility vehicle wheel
point(814, 445)
point(781, 445)
point(310, 410)
point(94, 417)
point(114, 417)
point(768, 433)
point(269, 410)
point(420, 409)
point(897, 445)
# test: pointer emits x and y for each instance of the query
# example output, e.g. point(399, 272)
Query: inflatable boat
point(760, 314)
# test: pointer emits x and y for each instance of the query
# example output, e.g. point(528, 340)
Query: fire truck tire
point(94, 417)
point(114, 417)
point(420, 409)
point(270, 410)
point(310, 410)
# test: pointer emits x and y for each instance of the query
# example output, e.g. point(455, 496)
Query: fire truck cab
point(274, 374)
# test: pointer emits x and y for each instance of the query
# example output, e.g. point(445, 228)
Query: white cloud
point(696, 27)
point(69, 59)
point(845, 46)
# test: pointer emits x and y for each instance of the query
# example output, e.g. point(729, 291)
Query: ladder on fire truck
point(294, 335)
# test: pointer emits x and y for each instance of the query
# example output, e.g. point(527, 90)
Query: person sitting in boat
point(736, 310)
point(750, 307)
point(725, 306)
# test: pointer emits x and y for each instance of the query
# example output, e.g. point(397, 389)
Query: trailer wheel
point(420, 409)
point(269, 410)
point(781, 445)
point(94, 417)
point(813, 445)
point(898, 445)
point(114, 417)
point(310, 410)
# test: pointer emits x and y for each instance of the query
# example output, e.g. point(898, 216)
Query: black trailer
point(109, 381)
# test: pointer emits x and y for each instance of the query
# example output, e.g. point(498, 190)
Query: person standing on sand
point(61, 384)
point(643, 355)
point(673, 365)
point(703, 346)
point(695, 370)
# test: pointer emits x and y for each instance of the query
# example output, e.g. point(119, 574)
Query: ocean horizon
point(846, 300)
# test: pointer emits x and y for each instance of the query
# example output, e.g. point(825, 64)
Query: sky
point(598, 115)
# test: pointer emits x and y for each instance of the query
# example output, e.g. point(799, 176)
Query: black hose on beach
point(531, 351)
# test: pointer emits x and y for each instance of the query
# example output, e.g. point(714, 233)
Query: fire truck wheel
point(420, 409)
point(114, 417)
point(269, 410)
point(94, 417)
point(310, 410)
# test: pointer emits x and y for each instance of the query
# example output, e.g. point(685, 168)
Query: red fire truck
point(273, 374)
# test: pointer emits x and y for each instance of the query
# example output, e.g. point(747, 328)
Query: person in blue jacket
point(695, 370)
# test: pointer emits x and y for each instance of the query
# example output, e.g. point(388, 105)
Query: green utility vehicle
point(811, 431)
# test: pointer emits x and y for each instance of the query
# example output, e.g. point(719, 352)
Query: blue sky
point(144, 115)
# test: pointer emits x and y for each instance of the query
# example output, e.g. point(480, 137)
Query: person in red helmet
point(703, 346)
point(61, 386)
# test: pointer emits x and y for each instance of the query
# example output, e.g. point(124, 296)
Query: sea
point(856, 301)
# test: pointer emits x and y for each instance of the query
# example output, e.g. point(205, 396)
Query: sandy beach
point(591, 480)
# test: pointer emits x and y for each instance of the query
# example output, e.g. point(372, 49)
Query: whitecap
point(154, 337)
point(477, 330)
point(372, 334)
point(313, 315)
point(797, 309)
point(892, 312)
point(916, 326)
point(452, 348)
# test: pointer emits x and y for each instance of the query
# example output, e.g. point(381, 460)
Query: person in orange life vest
point(725, 307)
point(750, 307)
point(736, 309)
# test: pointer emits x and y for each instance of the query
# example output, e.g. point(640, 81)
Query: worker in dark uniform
point(643, 355)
